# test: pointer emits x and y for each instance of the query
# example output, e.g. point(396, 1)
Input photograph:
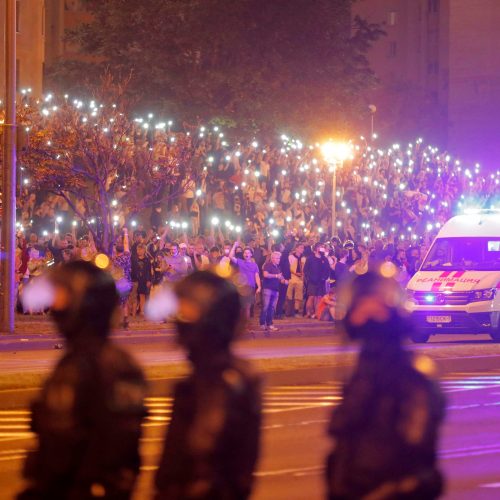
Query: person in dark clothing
point(212, 443)
point(273, 277)
point(341, 270)
point(316, 272)
point(88, 416)
point(142, 277)
point(284, 266)
point(386, 428)
point(139, 239)
point(377, 255)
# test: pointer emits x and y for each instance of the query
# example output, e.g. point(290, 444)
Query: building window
point(393, 49)
point(392, 18)
point(18, 16)
point(433, 6)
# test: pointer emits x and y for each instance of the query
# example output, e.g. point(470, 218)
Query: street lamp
point(8, 241)
point(335, 153)
point(373, 110)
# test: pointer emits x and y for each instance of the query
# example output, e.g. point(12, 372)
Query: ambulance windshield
point(448, 254)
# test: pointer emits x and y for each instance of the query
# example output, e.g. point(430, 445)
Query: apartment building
point(439, 72)
point(30, 37)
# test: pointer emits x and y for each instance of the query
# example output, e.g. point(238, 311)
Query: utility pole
point(8, 243)
point(334, 199)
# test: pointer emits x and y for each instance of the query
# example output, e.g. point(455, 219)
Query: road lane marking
point(282, 472)
point(15, 424)
point(470, 451)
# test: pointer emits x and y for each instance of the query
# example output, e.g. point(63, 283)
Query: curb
point(48, 341)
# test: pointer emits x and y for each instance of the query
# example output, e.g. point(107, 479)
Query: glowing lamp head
point(335, 151)
point(430, 299)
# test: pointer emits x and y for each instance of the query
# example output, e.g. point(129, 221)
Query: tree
point(105, 165)
point(258, 64)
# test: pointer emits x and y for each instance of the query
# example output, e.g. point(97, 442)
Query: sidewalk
point(35, 331)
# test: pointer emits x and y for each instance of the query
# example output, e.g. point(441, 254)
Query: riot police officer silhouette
point(212, 444)
point(385, 430)
point(88, 416)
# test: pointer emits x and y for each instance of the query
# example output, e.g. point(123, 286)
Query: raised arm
point(233, 251)
point(126, 247)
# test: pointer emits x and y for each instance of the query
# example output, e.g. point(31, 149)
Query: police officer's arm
point(61, 435)
point(175, 458)
point(355, 407)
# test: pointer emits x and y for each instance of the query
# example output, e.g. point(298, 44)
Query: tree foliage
point(256, 63)
point(100, 161)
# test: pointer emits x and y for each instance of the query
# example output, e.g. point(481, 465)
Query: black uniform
point(386, 430)
point(212, 444)
point(87, 420)
point(213, 441)
point(88, 416)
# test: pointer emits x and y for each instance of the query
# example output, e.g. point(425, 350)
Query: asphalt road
point(294, 442)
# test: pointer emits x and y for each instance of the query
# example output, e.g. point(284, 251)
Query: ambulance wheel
point(495, 334)
point(419, 337)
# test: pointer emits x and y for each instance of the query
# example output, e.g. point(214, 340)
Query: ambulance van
point(457, 288)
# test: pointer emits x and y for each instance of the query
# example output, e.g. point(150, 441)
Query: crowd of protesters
point(293, 277)
point(265, 211)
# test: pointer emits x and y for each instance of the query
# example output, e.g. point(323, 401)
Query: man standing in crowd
point(316, 272)
point(176, 266)
point(200, 260)
point(386, 428)
point(270, 290)
point(284, 265)
point(341, 269)
point(295, 292)
point(249, 273)
point(122, 274)
point(212, 443)
point(88, 416)
point(142, 277)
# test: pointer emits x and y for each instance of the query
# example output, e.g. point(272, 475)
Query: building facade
point(62, 15)
point(30, 45)
point(439, 73)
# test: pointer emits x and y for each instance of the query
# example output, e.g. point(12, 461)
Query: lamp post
point(335, 153)
point(8, 246)
point(373, 110)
